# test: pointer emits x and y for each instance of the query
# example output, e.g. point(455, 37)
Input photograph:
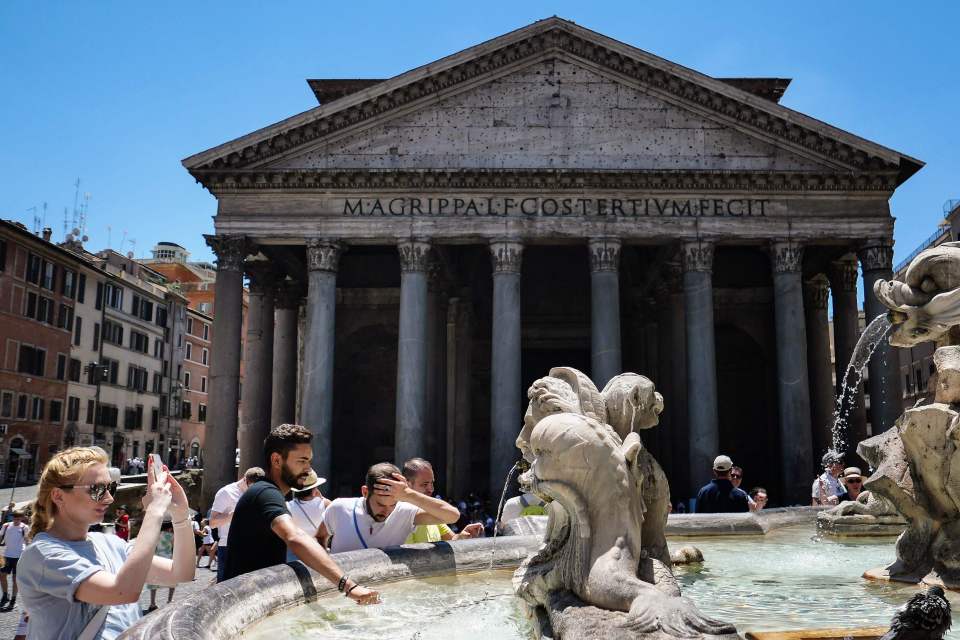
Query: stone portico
point(548, 197)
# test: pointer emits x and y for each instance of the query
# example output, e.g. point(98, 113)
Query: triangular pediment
point(552, 114)
point(492, 106)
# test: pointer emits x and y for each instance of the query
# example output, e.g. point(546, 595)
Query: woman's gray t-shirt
point(49, 572)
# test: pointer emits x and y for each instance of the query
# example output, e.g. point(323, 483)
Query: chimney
point(47, 232)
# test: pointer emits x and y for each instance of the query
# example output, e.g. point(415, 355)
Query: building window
point(34, 265)
point(36, 409)
point(204, 307)
point(61, 366)
point(56, 411)
point(6, 404)
point(157, 382)
point(90, 411)
point(23, 402)
point(154, 419)
point(179, 340)
point(206, 331)
point(189, 351)
point(45, 310)
point(203, 384)
point(77, 331)
point(162, 316)
point(133, 418)
point(107, 416)
point(113, 370)
point(65, 317)
point(142, 308)
point(186, 380)
point(114, 296)
point(201, 413)
point(190, 326)
point(137, 378)
point(69, 287)
point(30, 307)
point(32, 360)
point(82, 288)
point(73, 409)
point(113, 333)
point(204, 356)
point(75, 368)
point(49, 275)
point(185, 410)
point(158, 348)
point(96, 336)
point(139, 342)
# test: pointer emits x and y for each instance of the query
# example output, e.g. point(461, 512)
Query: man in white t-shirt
point(12, 534)
point(307, 508)
point(526, 504)
point(221, 513)
point(387, 513)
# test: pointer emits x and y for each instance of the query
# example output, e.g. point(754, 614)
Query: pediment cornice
point(689, 89)
point(232, 180)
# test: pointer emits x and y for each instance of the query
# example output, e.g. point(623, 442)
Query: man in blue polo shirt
point(719, 495)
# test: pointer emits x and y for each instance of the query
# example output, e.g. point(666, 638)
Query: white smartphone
point(156, 468)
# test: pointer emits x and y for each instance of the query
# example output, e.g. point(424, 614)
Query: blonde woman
point(84, 585)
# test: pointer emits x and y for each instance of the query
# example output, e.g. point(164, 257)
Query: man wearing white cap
point(719, 495)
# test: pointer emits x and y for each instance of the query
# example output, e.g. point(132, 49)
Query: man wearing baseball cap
point(719, 495)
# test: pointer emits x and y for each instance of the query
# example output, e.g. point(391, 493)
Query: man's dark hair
point(736, 468)
point(283, 438)
point(413, 466)
point(756, 490)
point(379, 471)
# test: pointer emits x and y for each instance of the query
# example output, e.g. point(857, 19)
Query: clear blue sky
point(118, 93)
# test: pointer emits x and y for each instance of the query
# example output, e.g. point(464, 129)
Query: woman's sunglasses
point(96, 490)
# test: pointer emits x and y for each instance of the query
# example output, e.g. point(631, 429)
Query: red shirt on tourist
point(123, 526)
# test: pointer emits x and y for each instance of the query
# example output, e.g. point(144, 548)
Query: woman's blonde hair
point(63, 468)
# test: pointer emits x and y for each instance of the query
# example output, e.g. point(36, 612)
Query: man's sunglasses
point(854, 480)
point(735, 475)
point(96, 490)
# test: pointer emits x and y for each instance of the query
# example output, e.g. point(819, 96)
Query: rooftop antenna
point(109, 237)
point(36, 220)
point(82, 222)
point(123, 240)
point(44, 214)
point(133, 246)
point(66, 225)
point(76, 198)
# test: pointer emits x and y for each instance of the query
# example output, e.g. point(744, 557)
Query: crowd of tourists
point(88, 583)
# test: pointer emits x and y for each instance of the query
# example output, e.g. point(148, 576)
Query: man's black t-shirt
point(253, 544)
point(719, 496)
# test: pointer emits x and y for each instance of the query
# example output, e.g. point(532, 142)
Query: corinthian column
point(876, 257)
point(796, 442)
point(412, 352)
point(701, 360)
point(258, 356)
point(605, 350)
point(323, 257)
point(283, 407)
point(815, 294)
point(506, 411)
point(846, 331)
point(224, 390)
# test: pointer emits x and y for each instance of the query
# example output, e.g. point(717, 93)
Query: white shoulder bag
point(92, 630)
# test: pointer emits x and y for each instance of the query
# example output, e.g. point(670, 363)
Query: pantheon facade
point(421, 248)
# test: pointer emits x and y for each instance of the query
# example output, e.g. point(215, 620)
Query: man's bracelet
point(342, 583)
point(347, 592)
point(185, 520)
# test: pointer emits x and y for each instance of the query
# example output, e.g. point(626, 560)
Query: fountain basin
point(765, 584)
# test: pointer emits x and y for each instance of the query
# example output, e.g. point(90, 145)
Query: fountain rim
point(229, 608)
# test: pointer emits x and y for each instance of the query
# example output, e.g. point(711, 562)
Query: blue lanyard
point(357, 526)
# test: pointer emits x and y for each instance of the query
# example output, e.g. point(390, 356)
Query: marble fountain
point(599, 564)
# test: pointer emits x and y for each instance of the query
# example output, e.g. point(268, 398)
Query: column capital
point(697, 256)
point(843, 274)
point(787, 256)
point(507, 255)
point(414, 255)
point(262, 275)
point(876, 255)
point(323, 254)
point(816, 290)
point(289, 294)
point(604, 254)
point(230, 250)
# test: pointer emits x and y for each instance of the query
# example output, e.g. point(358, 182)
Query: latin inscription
point(557, 207)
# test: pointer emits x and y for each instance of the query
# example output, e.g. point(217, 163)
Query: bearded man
point(386, 514)
point(262, 529)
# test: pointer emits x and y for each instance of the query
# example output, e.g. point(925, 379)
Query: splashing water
point(871, 338)
point(496, 522)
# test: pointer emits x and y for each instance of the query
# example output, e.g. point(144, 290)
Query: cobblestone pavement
point(205, 577)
